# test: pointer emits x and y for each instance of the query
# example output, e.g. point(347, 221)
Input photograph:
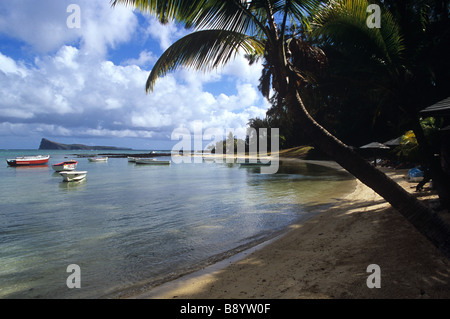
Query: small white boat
point(98, 159)
point(65, 166)
point(151, 161)
point(73, 176)
point(131, 159)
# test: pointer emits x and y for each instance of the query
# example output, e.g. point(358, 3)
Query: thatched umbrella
point(375, 147)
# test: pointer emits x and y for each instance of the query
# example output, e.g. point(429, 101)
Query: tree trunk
point(422, 217)
point(440, 179)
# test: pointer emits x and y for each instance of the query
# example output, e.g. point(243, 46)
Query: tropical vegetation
point(325, 65)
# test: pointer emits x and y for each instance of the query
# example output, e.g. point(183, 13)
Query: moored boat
point(29, 160)
point(151, 161)
point(73, 176)
point(253, 164)
point(65, 166)
point(131, 159)
point(98, 159)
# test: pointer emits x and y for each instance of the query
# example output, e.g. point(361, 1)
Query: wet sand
point(327, 257)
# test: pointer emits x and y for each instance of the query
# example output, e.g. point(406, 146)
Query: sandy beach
point(327, 257)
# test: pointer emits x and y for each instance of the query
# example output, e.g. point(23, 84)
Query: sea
point(129, 225)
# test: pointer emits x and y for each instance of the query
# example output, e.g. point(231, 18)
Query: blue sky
point(87, 85)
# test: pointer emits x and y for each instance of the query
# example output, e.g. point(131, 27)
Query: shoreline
point(144, 288)
point(326, 257)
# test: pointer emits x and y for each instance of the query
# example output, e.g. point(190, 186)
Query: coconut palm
point(392, 61)
point(222, 29)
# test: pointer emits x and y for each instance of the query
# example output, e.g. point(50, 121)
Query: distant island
point(50, 145)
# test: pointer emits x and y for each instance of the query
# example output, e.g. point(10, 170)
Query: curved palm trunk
point(422, 217)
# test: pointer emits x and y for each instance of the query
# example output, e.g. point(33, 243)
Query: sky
point(74, 71)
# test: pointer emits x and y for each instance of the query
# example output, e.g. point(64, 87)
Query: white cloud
point(43, 24)
point(8, 65)
point(112, 104)
point(105, 27)
point(74, 90)
point(241, 69)
point(165, 34)
point(145, 58)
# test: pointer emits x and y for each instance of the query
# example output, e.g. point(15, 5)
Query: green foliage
point(229, 145)
point(344, 22)
point(409, 148)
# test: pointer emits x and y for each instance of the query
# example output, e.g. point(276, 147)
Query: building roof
point(375, 145)
point(441, 108)
point(394, 142)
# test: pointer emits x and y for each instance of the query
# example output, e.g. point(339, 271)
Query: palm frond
point(203, 50)
point(200, 14)
point(301, 11)
point(344, 22)
point(165, 10)
point(222, 28)
point(226, 15)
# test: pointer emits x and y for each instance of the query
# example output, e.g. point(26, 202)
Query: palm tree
point(222, 29)
point(393, 60)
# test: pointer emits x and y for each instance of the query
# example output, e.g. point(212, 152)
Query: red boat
point(65, 166)
point(28, 160)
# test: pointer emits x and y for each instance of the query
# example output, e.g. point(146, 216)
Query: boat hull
point(98, 159)
point(28, 160)
point(73, 176)
point(151, 161)
point(65, 166)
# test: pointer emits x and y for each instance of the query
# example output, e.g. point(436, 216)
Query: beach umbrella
point(441, 108)
point(376, 147)
point(394, 142)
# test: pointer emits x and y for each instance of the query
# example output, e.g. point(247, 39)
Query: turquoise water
point(128, 224)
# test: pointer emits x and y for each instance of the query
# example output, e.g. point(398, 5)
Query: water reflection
point(76, 185)
point(127, 223)
point(29, 168)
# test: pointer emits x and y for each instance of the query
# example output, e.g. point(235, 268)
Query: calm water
point(128, 224)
